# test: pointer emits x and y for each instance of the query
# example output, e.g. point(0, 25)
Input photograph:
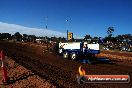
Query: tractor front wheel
point(65, 55)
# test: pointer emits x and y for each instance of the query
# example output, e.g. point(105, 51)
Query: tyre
point(65, 55)
point(73, 56)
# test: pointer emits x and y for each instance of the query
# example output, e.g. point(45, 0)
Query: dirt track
point(20, 77)
point(61, 72)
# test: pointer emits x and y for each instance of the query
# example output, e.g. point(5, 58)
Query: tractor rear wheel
point(73, 56)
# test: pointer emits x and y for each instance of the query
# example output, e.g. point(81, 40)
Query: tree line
point(28, 38)
point(109, 38)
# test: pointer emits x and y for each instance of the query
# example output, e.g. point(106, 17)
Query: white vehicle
point(76, 49)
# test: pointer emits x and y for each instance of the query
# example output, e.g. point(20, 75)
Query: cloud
point(13, 28)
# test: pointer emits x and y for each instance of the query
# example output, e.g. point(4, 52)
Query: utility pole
point(46, 22)
point(67, 27)
point(46, 26)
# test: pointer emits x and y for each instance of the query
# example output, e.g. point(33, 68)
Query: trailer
point(75, 50)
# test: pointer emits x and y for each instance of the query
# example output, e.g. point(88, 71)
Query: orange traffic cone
point(4, 74)
point(4, 69)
